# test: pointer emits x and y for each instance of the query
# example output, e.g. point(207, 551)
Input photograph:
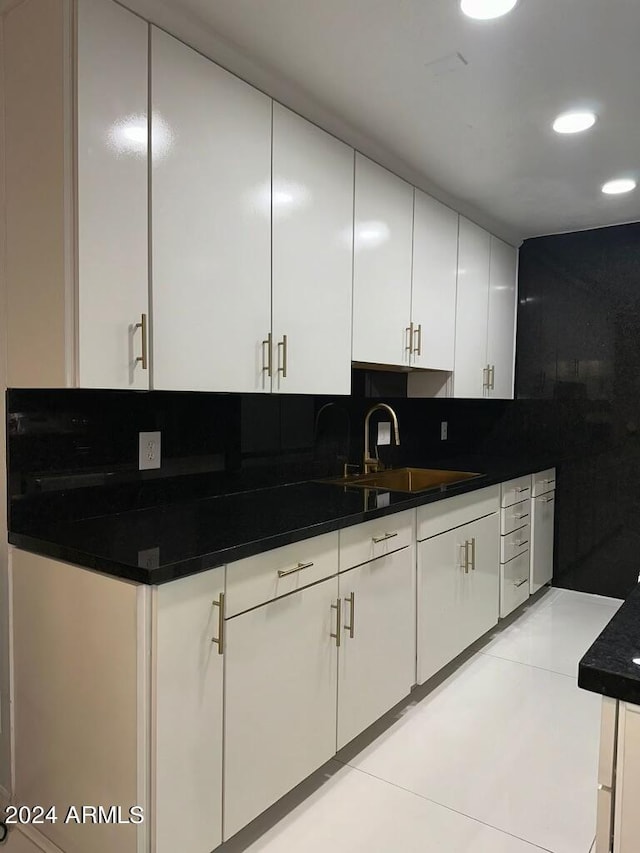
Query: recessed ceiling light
point(574, 122)
point(620, 185)
point(485, 9)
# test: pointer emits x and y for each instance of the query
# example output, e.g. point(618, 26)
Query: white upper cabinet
point(472, 310)
point(485, 315)
point(433, 292)
point(383, 235)
point(112, 214)
point(502, 319)
point(312, 257)
point(211, 224)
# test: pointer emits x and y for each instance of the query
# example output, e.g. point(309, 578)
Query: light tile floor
point(500, 757)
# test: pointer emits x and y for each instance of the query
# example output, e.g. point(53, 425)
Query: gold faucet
point(373, 465)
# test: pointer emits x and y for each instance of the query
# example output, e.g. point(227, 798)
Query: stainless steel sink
point(407, 480)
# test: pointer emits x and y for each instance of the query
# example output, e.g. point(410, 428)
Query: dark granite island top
point(161, 543)
point(611, 667)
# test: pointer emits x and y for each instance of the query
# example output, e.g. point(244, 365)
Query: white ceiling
point(385, 76)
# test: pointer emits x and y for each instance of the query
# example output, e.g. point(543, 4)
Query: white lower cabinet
point(188, 678)
point(514, 583)
point(376, 658)
point(542, 533)
point(280, 699)
point(457, 591)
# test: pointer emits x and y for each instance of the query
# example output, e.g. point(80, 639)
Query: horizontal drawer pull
point(547, 500)
point(519, 543)
point(523, 489)
point(522, 515)
point(377, 539)
point(548, 482)
point(520, 583)
point(282, 573)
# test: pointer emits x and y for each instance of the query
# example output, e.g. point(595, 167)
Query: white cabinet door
point(542, 528)
point(188, 714)
point(482, 601)
point(472, 308)
point(376, 666)
point(312, 257)
point(211, 224)
point(442, 588)
point(383, 235)
point(457, 603)
point(503, 295)
point(113, 236)
point(280, 699)
point(433, 293)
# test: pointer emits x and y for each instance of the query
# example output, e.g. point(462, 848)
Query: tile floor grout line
point(443, 806)
point(532, 665)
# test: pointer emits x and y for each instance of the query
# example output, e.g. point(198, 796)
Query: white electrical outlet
point(149, 451)
point(384, 433)
point(443, 430)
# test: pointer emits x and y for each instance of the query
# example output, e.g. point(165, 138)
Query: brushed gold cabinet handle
point(143, 326)
point(338, 608)
point(473, 554)
point(377, 539)
point(283, 344)
point(351, 600)
point(282, 573)
point(269, 365)
point(520, 583)
point(418, 349)
point(219, 640)
point(464, 557)
point(409, 333)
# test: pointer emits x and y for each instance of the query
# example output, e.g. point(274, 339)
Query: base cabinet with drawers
point(457, 577)
point(235, 684)
point(515, 538)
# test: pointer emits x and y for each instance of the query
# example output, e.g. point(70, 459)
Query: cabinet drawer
point(364, 542)
point(514, 584)
point(514, 491)
point(543, 481)
point(438, 517)
point(514, 544)
point(264, 577)
point(514, 516)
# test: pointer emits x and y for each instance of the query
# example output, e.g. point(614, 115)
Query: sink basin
point(408, 479)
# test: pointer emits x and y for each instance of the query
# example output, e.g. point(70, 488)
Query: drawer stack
point(515, 536)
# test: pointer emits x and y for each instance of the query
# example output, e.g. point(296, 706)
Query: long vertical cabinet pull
point(142, 325)
point(464, 557)
point(338, 608)
point(417, 350)
point(492, 377)
point(351, 601)
point(485, 377)
point(283, 369)
point(268, 366)
point(219, 640)
point(473, 554)
point(409, 332)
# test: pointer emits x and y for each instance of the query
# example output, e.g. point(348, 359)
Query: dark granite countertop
point(612, 664)
point(161, 543)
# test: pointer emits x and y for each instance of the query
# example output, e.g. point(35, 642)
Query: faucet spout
point(369, 464)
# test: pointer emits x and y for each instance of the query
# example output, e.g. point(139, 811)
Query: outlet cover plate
point(443, 430)
point(149, 451)
point(384, 433)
